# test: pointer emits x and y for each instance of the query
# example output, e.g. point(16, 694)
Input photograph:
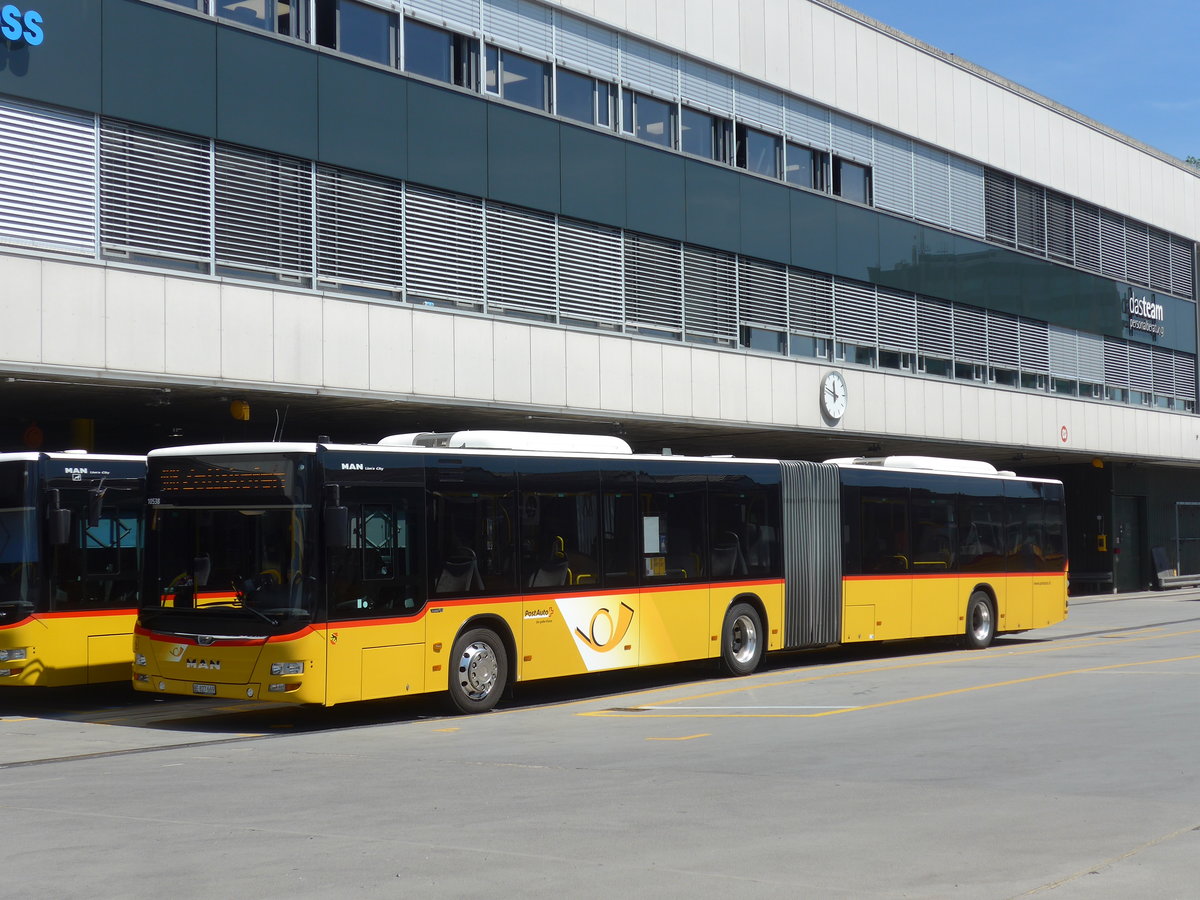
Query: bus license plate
point(210, 689)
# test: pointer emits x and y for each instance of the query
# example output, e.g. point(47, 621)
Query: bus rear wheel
point(478, 671)
point(981, 622)
point(742, 639)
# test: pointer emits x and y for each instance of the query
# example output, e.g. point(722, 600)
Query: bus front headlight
point(14, 653)
point(287, 668)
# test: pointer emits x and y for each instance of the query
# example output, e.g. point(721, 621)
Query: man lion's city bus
point(70, 547)
point(464, 562)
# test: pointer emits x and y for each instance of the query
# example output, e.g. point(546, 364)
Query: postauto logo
point(21, 26)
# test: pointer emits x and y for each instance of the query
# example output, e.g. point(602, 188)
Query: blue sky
point(1132, 66)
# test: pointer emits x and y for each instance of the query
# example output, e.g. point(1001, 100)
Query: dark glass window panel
point(764, 339)
point(270, 15)
point(981, 540)
point(523, 80)
point(883, 520)
point(575, 97)
point(654, 121)
point(428, 51)
point(627, 111)
point(698, 134)
point(812, 347)
point(758, 152)
point(673, 531)
point(852, 181)
point(605, 97)
point(934, 535)
point(365, 31)
point(560, 532)
point(801, 166)
point(619, 529)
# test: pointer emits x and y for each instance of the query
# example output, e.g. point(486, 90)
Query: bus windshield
point(245, 562)
point(18, 545)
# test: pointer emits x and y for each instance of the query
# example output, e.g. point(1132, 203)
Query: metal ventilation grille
point(649, 68)
point(1164, 372)
point(1181, 266)
point(931, 171)
point(851, 138)
point(1091, 357)
point(587, 47)
point(935, 327)
point(710, 296)
point(855, 312)
point(1116, 363)
point(1087, 236)
point(810, 299)
point(1064, 355)
point(654, 284)
point(758, 105)
point(897, 321)
point(707, 86)
point(970, 334)
point(155, 193)
point(966, 196)
point(461, 14)
point(1185, 376)
point(520, 262)
point(892, 177)
point(521, 24)
point(1060, 227)
point(1035, 346)
point(589, 274)
point(1112, 245)
point(1137, 253)
point(264, 212)
point(1141, 368)
point(807, 123)
point(47, 178)
point(1160, 260)
point(763, 294)
point(1031, 217)
point(443, 239)
point(1003, 340)
point(360, 230)
point(999, 199)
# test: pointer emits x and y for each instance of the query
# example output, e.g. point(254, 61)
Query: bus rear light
point(14, 653)
point(287, 668)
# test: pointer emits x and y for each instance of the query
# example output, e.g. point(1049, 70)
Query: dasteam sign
point(1145, 315)
point(21, 27)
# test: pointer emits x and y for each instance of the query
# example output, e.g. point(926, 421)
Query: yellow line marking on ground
point(17, 719)
point(886, 703)
point(446, 730)
point(689, 737)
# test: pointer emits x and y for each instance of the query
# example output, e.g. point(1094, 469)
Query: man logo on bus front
point(605, 637)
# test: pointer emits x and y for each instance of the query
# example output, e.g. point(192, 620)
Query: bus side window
point(884, 523)
point(933, 537)
point(560, 532)
point(619, 531)
point(673, 534)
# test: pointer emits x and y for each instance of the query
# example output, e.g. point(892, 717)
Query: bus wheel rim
point(478, 670)
point(745, 639)
point(981, 621)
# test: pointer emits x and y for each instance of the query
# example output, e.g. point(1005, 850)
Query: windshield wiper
point(258, 612)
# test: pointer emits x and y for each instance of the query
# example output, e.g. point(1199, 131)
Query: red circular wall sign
point(1063, 434)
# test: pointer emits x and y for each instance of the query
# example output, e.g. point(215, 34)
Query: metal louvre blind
point(709, 296)
point(855, 312)
point(1164, 372)
point(462, 14)
point(264, 211)
point(587, 47)
point(155, 191)
point(763, 294)
point(443, 242)
point(1141, 368)
point(1031, 217)
point(706, 86)
point(520, 261)
point(48, 178)
point(589, 274)
point(1181, 267)
point(966, 196)
point(999, 206)
point(1090, 349)
point(810, 302)
point(1112, 245)
point(1003, 341)
point(931, 171)
point(1185, 376)
point(1116, 363)
point(1087, 236)
point(806, 123)
point(892, 176)
point(1137, 252)
point(360, 229)
point(970, 334)
point(1064, 356)
point(851, 138)
point(1035, 346)
point(897, 320)
point(649, 68)
point(524, 25)
point(758, 105)
point(1160, 260)
point(654, 284)
point(935, 327)
point(1060, 227)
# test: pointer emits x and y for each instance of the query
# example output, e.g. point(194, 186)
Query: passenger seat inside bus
point(460, 573)
point(727, 556)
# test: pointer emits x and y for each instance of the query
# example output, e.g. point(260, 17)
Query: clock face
point(833, 396)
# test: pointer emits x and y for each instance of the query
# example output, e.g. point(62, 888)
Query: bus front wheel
point(981, 622)
point(478, 671)
point(742, 640)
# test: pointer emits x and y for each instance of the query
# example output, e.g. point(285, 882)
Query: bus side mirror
point(201, 569)
point(95, 503)
point(337, 527)
point(58, 520)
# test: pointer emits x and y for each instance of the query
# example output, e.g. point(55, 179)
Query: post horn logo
point(602, 636)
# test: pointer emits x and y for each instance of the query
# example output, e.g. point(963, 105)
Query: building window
point(807, 346)
point(758, 151)
point(648, 119)
point(1006, 377)
point(516, 78)
point(279, 16)
point(764, 339)
point(357, 29)
point(584, 99)
point(894, 359)
point(440, 55)
point(704, 135)
point(856, 354)
point(805, 167)
point(1031, 381)
point(939, 368)
point(851, 181)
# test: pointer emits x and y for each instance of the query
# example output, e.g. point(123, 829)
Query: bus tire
point(742, 640)
point(981, 622)
point(478, 671)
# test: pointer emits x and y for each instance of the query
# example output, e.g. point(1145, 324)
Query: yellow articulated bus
point(464, 562)
point(70, 547)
